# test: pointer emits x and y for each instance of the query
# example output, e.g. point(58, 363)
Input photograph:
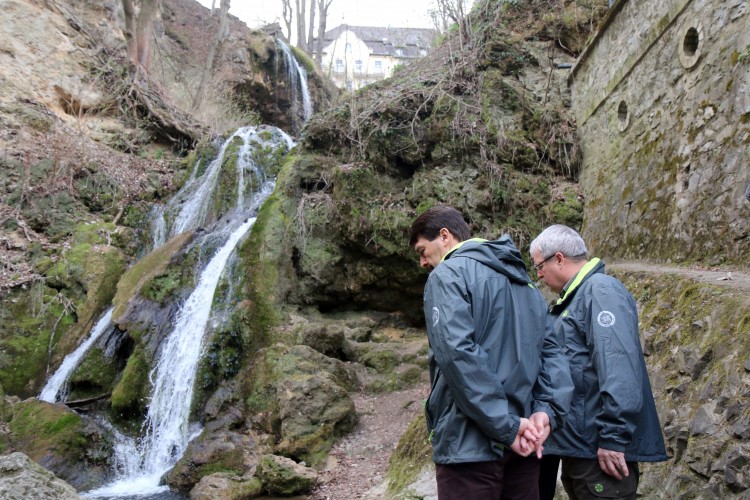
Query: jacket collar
point(446, 256)
point(591, 267)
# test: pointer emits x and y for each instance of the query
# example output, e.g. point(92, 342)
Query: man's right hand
point(541, 421)
point(527, 438)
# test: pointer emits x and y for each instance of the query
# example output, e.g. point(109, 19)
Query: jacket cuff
point(513, 429)
point(612, 446)
point(546, 408)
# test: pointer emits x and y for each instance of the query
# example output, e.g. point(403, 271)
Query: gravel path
point(359, 461)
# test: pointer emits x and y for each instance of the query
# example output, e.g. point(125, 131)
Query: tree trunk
point(209, 66)
point(322, 21)
point(144, 31)
point(311, 29)
point(132, 43)
point(287, 15)
point(301, 24)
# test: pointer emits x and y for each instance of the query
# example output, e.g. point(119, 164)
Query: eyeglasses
point(539, 266)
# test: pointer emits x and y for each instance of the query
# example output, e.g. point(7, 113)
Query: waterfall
point(54, 389)
point(167, 429)
point(297, 78)
point(189, 208)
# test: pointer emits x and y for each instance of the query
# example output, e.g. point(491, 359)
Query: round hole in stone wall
point(690, 43)
point(622, 115)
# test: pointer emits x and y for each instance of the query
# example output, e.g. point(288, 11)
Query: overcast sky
point(394, 13)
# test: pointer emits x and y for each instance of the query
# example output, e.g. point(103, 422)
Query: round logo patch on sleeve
point(605, 319)
point(436, 316)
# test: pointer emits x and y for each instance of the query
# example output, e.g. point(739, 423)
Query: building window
point(378, 66)
point(349, 85)
point(358, 66)
point(339, 66)
point(348, 47)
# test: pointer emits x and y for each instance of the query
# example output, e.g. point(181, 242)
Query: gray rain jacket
point(613, 407)
point(493, 353)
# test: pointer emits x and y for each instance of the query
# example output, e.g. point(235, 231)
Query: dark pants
point(548, 476)
point(511, 478)
point(583, 479)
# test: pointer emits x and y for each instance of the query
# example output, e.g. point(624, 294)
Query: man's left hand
point(613, 463)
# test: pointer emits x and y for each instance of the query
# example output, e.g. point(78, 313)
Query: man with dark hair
point(613, 423)
point(500, 380)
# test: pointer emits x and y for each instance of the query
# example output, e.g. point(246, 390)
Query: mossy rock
point(130, 395)
point(303, 397)
point(75, 448)
point(94, 377)
point(282, 476)
point(412, 454)
point(210, 453)
point(149, 267)
point(28, 318)
point(226, 485)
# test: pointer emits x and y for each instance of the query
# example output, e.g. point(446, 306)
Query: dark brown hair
point(433, 220)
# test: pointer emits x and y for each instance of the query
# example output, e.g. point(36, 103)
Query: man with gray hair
point(612, 424)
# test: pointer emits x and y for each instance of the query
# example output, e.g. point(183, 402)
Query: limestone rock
point(223, 451)
point(21, 479)
point(72, 446)
point(283, 476)
point(224, 486)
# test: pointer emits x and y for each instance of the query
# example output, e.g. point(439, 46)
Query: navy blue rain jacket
point(613, 406)
point(494, 356)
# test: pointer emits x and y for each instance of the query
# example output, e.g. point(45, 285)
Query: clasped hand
point(532, 432)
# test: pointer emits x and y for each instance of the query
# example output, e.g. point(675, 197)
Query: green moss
point(144, 270)
point(411, 455)
point(381, 360)
point(130, 395)
point(45, 428)
point(93, 377)
point(28, 318)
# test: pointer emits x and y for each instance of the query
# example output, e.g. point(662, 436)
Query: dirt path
point(359, 461)
point(737, 280)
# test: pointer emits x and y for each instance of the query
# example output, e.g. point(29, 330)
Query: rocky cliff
point(325, 296)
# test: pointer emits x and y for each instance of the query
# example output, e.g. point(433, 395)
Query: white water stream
point(297, 78)
point(54, 391)
point(168, 429)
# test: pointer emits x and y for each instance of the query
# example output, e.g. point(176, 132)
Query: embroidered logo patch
point(606, 319)
point(599, 487)
point(435, 316)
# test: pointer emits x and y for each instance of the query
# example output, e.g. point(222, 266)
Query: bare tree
point(322, 21)
point(301, 24)
point(139, 30)
point(287, 15)
point(311, 28)
point(215, 46)
point(449, 12)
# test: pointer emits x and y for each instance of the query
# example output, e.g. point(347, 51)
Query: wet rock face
point(22, 478)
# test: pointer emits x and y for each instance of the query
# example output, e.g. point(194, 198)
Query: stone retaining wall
point(662, 100)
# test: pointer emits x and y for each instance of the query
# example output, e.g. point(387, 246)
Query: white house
point(355, 56)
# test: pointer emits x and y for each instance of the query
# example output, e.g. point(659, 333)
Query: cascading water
point(190, 207)
point(167, 426)
point(297, 78)
point(140, 463)
point(54, 391)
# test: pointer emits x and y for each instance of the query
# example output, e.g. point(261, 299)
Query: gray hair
point(559, 238)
